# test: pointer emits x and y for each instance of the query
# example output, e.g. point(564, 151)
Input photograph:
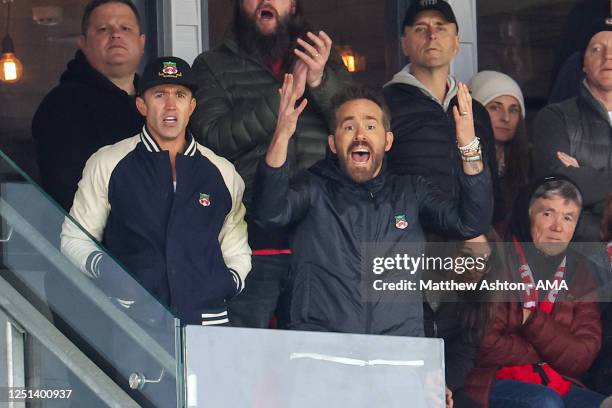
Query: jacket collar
point(329, 168)
point(591, 101)
point(405, 77)
point(151, 145)
point(79, 70)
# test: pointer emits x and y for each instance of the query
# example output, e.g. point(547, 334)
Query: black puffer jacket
point(580, 127)
point(238, 105)
point(85, 112)
point(237, 110)
point(425, 142)
point(332, 274)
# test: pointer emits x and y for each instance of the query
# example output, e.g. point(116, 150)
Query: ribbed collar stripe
point(191, 144)
point(152, 146)
point(148, 141)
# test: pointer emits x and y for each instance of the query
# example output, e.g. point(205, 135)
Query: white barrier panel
point(232, 367)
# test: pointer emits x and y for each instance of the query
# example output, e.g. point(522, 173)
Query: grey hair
point(558, 188)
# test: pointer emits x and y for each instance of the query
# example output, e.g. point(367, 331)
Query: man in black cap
point(166, 207)
point(573, 137)
point(421, 97)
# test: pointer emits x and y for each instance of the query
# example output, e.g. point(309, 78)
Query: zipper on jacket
point(368, 305)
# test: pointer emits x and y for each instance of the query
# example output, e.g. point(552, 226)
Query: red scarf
point(541, 373)
point(531, 298)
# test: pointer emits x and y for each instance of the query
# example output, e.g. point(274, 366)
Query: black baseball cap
point(421, 5)
point(167, 70)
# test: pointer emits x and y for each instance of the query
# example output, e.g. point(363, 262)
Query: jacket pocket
point(320, 301)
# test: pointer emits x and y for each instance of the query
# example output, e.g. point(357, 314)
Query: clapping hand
point(314, 56)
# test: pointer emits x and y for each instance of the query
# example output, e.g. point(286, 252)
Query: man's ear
point(404, 42)
point(192, 105)
point(457, 44)
point(388, 141)
point(332, 144)
point(143, 42)
point(141, 106)
point(81, 41)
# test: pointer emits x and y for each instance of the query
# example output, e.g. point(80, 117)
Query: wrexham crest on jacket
point(170, 70)
point(401, 222)
point(204, 200)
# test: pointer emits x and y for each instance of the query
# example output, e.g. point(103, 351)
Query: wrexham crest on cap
point(170, 70)
point(204, 200)
point(401, 222)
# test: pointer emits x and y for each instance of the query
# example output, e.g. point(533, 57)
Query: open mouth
point(170, 120)
point(360, 154)
point(266, 14)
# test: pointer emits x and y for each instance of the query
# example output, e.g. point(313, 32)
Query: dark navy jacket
point(187, 247)
point(336, 218)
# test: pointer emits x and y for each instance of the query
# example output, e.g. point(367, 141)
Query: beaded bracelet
point(470, 147)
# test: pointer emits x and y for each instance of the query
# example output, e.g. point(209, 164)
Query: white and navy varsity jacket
point(186, 246)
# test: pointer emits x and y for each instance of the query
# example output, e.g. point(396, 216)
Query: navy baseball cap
point(421, 5)
point(167, 70)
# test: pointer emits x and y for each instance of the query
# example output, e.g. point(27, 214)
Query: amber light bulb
point(11, 68)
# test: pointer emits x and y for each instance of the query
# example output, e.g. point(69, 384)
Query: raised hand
point(300, 71)
point(464, 119)
point(465, 133)
point(288, 115)
point(315, 56)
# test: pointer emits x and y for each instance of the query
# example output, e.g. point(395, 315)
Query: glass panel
point(132, 336)
point(294, 369)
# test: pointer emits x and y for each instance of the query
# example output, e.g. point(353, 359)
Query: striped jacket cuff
point(92, 264)
point(212, 319)
point(237, 280)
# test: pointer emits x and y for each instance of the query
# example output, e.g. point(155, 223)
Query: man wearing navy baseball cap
point(166, 207)
point(167, 71)
point(440, 6)
point(421, 97)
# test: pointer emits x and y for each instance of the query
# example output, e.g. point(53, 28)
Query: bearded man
point(348, 202)
point(237, 108)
